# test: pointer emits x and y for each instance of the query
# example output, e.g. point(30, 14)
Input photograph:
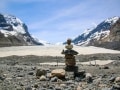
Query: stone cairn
point(70, 61)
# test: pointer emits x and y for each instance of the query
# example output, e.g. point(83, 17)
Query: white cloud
point(56, 15)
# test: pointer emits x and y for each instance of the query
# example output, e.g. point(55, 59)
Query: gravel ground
point(19, 73)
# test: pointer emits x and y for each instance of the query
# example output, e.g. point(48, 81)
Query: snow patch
point(8, 33)
point(112, 20)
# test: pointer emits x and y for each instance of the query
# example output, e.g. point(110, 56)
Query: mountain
point(106, 34)
point(13, 32)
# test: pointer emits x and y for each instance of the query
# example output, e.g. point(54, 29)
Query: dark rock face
point(13, 32)
point(4, 25)
point(2, 20)
point(112, 41)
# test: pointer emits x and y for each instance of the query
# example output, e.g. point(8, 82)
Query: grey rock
point(40, 72)
point(88, 78)
point(36, 85)
point(21, 75)
point(19, 88)
point(106, 88)
point(54, 79)
point(2, 78)
point(28, 88)
point(72, 86)
point(70, 82)
point(20, 68)
point(115, 87)
point(112, 79)
point(77, 79)
point(51, 87)
point(42, 89)
point(30, 73)
point(58, 88)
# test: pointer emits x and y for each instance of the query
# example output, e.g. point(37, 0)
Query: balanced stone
point(69, 54)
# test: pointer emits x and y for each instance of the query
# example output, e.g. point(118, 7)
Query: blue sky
point(56, 20)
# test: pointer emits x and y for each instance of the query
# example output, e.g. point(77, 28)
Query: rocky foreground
point(26, 73)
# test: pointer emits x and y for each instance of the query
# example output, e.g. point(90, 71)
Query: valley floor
point(18, 67)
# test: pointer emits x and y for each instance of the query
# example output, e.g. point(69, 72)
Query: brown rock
point(69, 56)
point(70, 62)
point(79, 88)
point(60, 73)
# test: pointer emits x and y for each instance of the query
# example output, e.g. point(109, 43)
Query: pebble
point(28, 88)
point(21, 75)
point(58, 88)
point(63, 85)
point(43, 78)
point(30, 73)
point(2, 78)
point(19, 88)
point(79, 88)
point(36, 85)
point(88, 77)
point(117, 79)
point(112, 79)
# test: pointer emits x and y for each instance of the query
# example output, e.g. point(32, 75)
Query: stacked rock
point(69, 55)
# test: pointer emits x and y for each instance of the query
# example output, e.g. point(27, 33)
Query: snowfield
point(52, 50)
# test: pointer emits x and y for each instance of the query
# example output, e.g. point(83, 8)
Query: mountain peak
point(112, 20)
point(16, 23)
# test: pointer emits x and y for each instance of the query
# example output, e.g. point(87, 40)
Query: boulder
point(60, 73)
point(40, 72)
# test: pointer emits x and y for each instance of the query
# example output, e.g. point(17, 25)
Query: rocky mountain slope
point(106, 34)
point(13, 32)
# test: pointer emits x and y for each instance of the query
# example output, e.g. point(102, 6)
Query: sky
point(56, 20)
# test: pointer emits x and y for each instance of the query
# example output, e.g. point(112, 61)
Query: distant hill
point(106, 34)
point(13, 32)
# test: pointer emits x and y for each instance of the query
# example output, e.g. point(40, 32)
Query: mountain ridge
point(101, 35)
point(13, 32)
